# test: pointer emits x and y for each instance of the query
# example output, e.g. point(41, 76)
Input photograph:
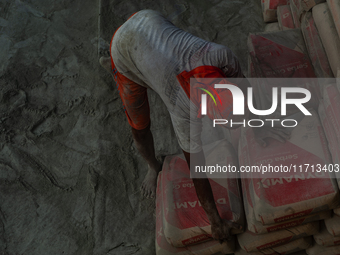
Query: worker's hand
point(221, 231)
point(261, 133)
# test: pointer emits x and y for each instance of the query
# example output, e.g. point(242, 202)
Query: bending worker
point(148, 51)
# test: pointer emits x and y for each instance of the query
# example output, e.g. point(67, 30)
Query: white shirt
point(151, 51)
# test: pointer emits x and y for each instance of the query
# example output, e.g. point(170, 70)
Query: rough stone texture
point(69, 173)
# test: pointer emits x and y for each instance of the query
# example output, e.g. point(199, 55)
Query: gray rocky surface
point(69, 173)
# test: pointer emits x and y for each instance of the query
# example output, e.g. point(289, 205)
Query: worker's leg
point(137, 110)
point(136, 105)
point(145, 145)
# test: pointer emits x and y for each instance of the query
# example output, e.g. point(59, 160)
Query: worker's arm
point(220, 228)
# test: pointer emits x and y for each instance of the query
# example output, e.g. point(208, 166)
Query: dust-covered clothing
point(152, 52)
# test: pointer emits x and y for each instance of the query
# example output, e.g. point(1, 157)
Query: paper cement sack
point(185, 221)
point(331, 100)
point(213, 247)
point(315, 47)
point(302, 252)
point(297, 10)
point(284, 196)
point(164, 248)
point(328, 126)
point(334, 6)
point(296, 247)
point(258, 95)
point(269, 9)
point(309, 4)
point(272, 27)
point(251, 69)
point(280, 54)
point(328, 34)
point(254, 242)
point(333, 225)
point(322, 250)
point(257, 228)
point(235, 137)
point(260, 98)
point(331, 104)
point(284, 17)
point(324, 238)
point(338, 79)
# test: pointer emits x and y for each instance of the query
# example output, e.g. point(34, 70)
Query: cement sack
point(249, 241)
point(269, 8)
point(272, 27)
point(295, 247)
point(324, 238)
point(329, 115)
point(164, 248)
point(322, 250)
point(251, 68)
point(309, 4)
point(333, 225)
point(316, 51)
point(213, 247)
point(284, 196)
point(331, 100)
point(337, 211)
point(338, 79)
point(235, 137)
point(326, 120)
point(185, 221)
point(280, 54)
point(302, 252)
point(332, 109)
point(257, 228)
point(334, 6)
point(258, 95)
point(329, 36)
point(297, 10)
point(285, 18)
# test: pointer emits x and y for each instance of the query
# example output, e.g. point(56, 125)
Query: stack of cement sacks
point(328, 240)
point(326, 19)
point(284, 211)
point(269, 9)
point(182, 226)
point(283, 14)
point(320, 24)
